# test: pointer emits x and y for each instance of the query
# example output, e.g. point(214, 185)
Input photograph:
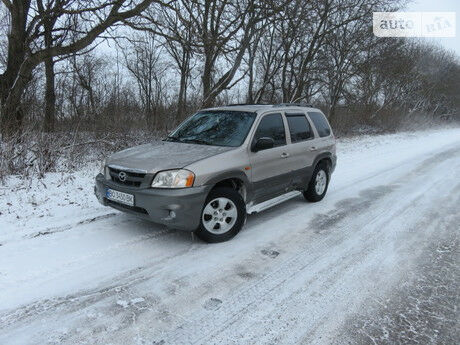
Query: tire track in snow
point(54, 230)
point(423, 310)
point(370, 262)
point(74, 302)
point(125, 281)
point(97, 254)
point(261, 292)
point(62, 228)
point(196, 331)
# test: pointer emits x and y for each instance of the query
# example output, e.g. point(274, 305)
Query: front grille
point(126, 182)
point(133, 179)
point(127, 207)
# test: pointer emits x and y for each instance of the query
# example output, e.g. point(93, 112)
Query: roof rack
point(240, 104)
point(301, 104)
point(293, 105)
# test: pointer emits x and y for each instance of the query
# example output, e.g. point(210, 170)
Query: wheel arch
point(236, 180)
point(325, 157)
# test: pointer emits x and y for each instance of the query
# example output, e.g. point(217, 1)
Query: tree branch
point(113, 17)
point(8, 4)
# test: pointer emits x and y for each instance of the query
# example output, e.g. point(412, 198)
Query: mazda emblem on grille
point(122, 176)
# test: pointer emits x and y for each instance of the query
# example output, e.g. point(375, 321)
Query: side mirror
point(263, 144)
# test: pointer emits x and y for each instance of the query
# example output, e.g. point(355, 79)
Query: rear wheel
point(319, 182)
point(223, 215)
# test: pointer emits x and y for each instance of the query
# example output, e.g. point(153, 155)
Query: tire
point(222, 216)
point(317, 187)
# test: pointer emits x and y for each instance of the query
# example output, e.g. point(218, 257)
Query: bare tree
point(219, 50)
point(4, 27)
point(50, 97)
point(87, 69)
point(287, 59)
point(224, 30)
point(268, 61)
point(219, 33)
point(320, 19)
point(178, 43)
point(80, 24)
point(143, 62)
point(338, 56)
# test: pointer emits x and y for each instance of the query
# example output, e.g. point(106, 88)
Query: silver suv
point(221, 164)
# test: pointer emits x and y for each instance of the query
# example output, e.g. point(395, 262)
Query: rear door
point(325, 142)
point(270, 174)
point(302, 148)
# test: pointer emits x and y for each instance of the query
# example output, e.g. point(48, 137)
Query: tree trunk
point(21, 39)
point(331, 113)
point(184, 74)
point(11, 117)
point(250, 95)
point(50, 96)
point(12, 81)
point(182, 96)
point(208, 100)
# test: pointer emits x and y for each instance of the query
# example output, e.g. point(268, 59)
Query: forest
point(84, 77)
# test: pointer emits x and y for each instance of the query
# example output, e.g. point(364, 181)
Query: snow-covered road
point(376, 260)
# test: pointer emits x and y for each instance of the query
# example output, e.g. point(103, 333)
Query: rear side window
point(321, 124)
point(272, 126)
point(299, 127)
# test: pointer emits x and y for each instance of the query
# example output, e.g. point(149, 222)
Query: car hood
point(163, 155)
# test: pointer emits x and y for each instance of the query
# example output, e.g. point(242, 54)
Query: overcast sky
point(441, 6)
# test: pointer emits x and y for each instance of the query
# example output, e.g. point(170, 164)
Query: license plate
point(123, 198)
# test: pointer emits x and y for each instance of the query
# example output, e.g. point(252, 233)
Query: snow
point(292, 275)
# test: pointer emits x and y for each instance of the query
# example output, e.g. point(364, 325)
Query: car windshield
point(214, 127)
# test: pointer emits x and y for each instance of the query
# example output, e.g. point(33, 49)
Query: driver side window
point(271, 126)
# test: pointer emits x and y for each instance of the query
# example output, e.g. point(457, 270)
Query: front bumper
point(156, 204)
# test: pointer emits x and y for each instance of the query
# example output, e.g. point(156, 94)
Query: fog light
point(172, 214)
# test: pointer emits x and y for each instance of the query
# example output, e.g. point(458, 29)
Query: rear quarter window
point(320, 122)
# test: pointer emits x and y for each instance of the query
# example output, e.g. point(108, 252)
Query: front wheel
point(319, 182)
point(222, 216)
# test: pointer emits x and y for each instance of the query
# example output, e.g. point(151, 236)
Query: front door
point(270, 168)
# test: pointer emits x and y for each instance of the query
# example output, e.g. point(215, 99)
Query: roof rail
point(293, 105)
point(239, 104)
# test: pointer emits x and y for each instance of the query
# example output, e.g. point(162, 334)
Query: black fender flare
point(321, 156)
point(233, 174)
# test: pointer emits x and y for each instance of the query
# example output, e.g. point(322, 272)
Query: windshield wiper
point(187, 140)
point(172, 138)
point(197, 141)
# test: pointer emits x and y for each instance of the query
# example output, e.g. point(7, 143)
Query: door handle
point(284, 155)
point(313, 148)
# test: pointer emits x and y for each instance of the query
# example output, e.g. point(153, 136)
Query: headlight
point(102, 170)
point(173, 179)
